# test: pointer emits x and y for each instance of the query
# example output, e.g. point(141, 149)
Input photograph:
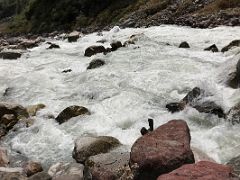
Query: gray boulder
point(84, 147)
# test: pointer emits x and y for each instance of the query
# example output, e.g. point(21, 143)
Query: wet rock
point(9, 120)
point(68, 177)
point(210, 108)
point(108, 166)
point(10, 55)
point(33, 109)
point(234, 78)
point(70, 112)
point(73, 36)
point(233, 115)
point(161, 151)
point(212, 48)
point(116, 45)
point(31, 168)
point(66, 71)
point(28, 44)
point(235, 164)
point(3, 130)
point(85, 147)
point(40, 176)
point(63, 169)
point(175, 107)
point(4, 159)
point(12, 176)
point(95, 63)
point(184, 45)
point(203, 170)
point(188, 99)
point(92, 50)
point(53, 46)
point(235, 43)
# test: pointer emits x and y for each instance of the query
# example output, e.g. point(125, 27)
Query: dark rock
point(66, 71)
point(116, 45)
point(175, 107)
point(10, 55)
point(73, 36)
point(161, 151)
point(235, 164)
point(211, 108)
point(108, 166)
point(70, 112)
point(184, 45)
point(53, 46)
point(212, 48)
point(63, 169)
point(85, 147)
point(9, 120)
point(3, 131)
point(235, 43)
point(95, 63)
point(4, 159)
point(40, 176)
point(92, 50)
point(203, 170)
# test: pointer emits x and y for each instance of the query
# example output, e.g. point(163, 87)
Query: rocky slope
point(94, 15)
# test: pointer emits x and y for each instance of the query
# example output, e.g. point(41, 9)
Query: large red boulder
point(161, 151)
point(203, 170)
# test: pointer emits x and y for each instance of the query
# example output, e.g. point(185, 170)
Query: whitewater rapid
point(135, 84)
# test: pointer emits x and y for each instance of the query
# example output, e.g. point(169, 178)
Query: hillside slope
point(46, 16)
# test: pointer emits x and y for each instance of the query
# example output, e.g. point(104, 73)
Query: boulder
point(234, 79)
point(64, 169)
point(70, 112)
point(12, 176)
point(40, 176)
point(92, 50)
point(184, 45)
point(10, 55)
point(108, 166)
point(73, 36)
point(235, 164)
point(116, 45)
point(95, 63)
point(31, 168)
point(4, 159)
point(235, 43)
point(161, 151)
point(53, 46)
point(3, 130)
point(202, 170)
point(85, 147)
point(33, 109)
point(212, 48)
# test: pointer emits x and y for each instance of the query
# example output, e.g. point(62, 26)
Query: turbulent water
point(135, 84)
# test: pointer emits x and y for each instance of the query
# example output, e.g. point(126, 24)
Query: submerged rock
point(108, 166)
point(161, 151)
point(10, 55)
point(85, 147)
point(31, 168)
point(70, 112)
point(96, 63)
point(203, 170)
point(4, 159)
point(175, 107)
point(92, 50)
point(53, 46)
point(184, 45)
point(235, 164)
point(62, 169)
point(66, 71)
point(212, 48)
point(235, 43)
